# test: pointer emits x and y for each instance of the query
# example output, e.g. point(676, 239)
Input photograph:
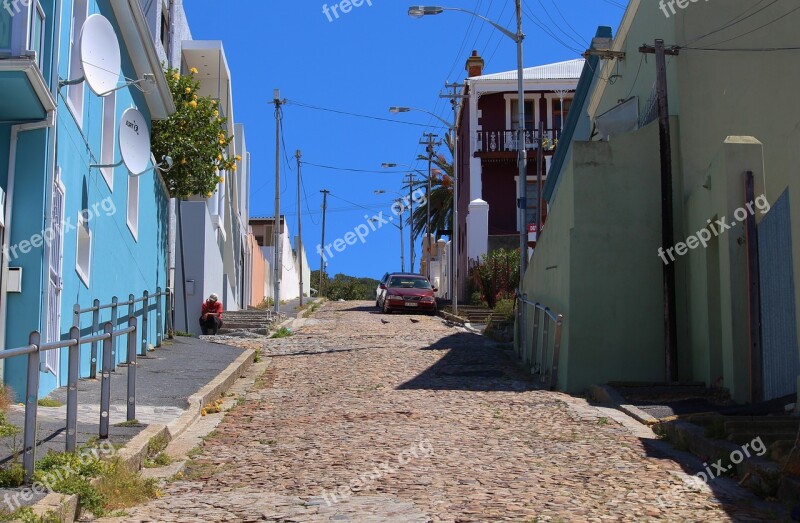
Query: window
point(75, 92)
point(165, 30)
point(133, 206)
point(559, 114)
point(530, 115)
point(6, 17)
point(83, 256)
point(37, 34)
point(532, 195)
point(109, 144)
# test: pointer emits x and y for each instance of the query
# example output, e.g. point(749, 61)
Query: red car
point(407, 292)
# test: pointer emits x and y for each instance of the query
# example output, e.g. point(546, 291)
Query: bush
point(265, 304)
point(496, 276)
point(504, 310)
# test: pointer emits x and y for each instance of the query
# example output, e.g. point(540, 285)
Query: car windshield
point(404, 282)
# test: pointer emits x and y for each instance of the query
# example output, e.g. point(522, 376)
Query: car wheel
point(433, 312)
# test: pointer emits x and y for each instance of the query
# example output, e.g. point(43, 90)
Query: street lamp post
point(420, 11)
point(401, 208)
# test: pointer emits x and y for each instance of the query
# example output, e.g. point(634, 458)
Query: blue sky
point(363, 62)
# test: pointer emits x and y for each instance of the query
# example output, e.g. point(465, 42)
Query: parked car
point(378, 290)
point(407, 292)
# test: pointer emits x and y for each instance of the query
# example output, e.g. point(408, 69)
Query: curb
point(135, 451)
point(607, 395)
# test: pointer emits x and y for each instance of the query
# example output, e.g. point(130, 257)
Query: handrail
point(33, 351)
point(121, 303)
point(535, 358)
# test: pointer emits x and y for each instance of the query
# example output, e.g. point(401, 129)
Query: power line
point(336, 111)
point(352, 170)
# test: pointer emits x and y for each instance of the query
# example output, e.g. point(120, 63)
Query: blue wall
point(120, 263)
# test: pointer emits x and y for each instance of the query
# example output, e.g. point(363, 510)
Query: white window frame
point(83, 272)
point(38, 12)
point(133, 207)
point(76, 94)
point(108, 145)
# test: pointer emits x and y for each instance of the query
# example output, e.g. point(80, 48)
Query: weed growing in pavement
point(49, 402)
point(131, 423)
point(27, 515)
point(257, 357)
point(283, 332)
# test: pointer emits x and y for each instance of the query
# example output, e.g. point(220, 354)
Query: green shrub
point(496, 276)
point(504, 310)
point(12, 476)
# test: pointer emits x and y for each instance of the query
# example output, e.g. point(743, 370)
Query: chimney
point(475, 65)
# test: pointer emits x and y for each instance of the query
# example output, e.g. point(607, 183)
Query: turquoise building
point(73, 231)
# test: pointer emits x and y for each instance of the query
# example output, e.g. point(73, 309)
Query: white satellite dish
point(100, 55)
point(134, 141)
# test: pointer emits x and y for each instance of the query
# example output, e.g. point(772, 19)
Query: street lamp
point(454, 140)
point(419, 11)
point(401, 208)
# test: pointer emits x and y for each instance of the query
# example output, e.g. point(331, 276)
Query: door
point(52, 358)
point(781, 364)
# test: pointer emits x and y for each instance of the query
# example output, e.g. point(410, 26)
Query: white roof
point(571, 69)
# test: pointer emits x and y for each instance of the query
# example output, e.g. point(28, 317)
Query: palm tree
point(441, 196)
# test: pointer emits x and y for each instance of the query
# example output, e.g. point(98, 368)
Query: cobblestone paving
point(403, 422)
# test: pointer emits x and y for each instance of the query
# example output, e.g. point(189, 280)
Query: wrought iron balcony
point(494, 141)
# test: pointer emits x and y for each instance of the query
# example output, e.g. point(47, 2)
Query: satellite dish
point(134, 141)
point(100, 55)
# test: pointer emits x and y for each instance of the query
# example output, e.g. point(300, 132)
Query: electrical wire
point(759, 27)
point(350, 169)
point(336, 111)
point(736, 20)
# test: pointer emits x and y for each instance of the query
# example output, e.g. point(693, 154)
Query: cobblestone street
point(361, 421)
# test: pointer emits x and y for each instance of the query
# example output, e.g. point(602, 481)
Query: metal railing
point(115, 304)
point(493, 141)
point(542, 358)
point(33, 351)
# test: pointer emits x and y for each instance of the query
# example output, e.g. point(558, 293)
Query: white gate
point(52, 358)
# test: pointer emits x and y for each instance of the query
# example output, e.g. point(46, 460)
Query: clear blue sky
point(363, 62)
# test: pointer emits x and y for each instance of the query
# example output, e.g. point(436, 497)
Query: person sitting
point(211, 319)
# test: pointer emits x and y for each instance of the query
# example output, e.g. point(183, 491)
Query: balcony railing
point(506, 141)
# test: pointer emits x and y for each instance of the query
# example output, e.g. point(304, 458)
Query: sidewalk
point(166, 378)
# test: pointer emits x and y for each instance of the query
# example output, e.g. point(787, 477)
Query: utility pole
point(429, 142)
point(298, 155)
point(402, 248)
point(539, 168)
point(455, 100)
point(667, 211)
point(277, 263)
point(325, 193)
point(411, 179)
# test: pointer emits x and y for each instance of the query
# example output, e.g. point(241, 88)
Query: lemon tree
point(196, 139)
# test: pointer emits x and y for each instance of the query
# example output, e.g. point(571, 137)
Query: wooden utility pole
point(667, 211)
point(325, 193)
point(429, 142)
point(411, 219)
point(298, 155)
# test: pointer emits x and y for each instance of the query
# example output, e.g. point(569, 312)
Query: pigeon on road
point(384, 321)
point(414, 320)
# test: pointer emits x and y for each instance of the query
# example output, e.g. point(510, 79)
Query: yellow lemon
point(193, 70)
point(193, 103)
point(188, 90)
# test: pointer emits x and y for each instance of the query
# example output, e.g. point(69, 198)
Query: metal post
point(95, 329)
point(556, 352)
point(521, 161)
point(131, 311)
point(159, 317)
point(73, 374)
point(145, 306)
point(105, 385)
point(402, 247)
point(411, 220)
point(114, 321)
point(523, 349)
point(454, 255)
point(31, 407)
point(545, 339)
point(170, 323)
point(537, 365)
point(76, 315)
point(132, 370)
point(325, 193)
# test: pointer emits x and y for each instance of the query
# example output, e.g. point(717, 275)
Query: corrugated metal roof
point(571, 69)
